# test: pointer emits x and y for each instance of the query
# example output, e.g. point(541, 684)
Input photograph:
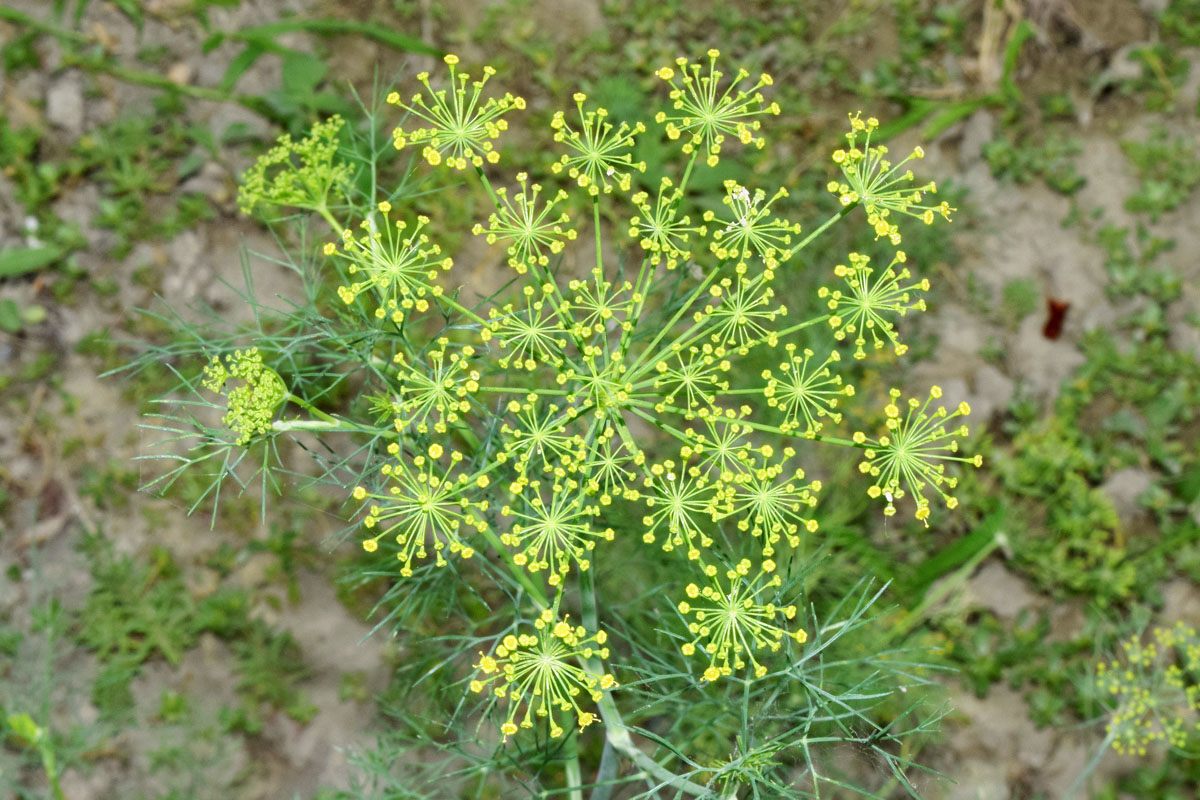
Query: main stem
point(615, 730)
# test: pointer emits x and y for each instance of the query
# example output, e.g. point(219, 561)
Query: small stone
point(180, 73)
point(999, 591)
point(254, 572)
point(64, 104)
point(1124, 487)
point(202, 582)
point(213, 181)
point(993, 392)
point(977, 131)
point(1123, 66)
point(1181, 601)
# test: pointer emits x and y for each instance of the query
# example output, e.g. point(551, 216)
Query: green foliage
point(108, 486)
point(137, 611)
point(270, 667)
point(14, 317)
point(1019, 298)
point(137, 160)
point(1180, 21)
point(1131, 263)
point(923, 30)
point(1175, 777)
point(1125, 400)
point(173, 707)
point(1021, 160)
point(1163, 74)
point(1080, 550)
point(1169, 168)
point(987, 651)
point(28, 734)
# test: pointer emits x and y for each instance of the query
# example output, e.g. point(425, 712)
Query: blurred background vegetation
point(158, 654)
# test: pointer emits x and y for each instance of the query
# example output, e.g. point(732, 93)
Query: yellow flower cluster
point(599, 156)
point(461, 124)
point(730, 624)
point(1156, 690)
point(252, 402)
point(706, 111)
point(540, 673)
point(912, 456)
point(395, 265)
point(547, 414)
point(881, 186)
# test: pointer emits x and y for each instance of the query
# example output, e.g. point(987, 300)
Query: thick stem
point(687, 173)
point(649, 355)
point(323, 422)
point(615, 731)
point(326, 215)
point(574, 773)
point(321, 426)
point(801, 326)
point(483, 179)
point(51, 768)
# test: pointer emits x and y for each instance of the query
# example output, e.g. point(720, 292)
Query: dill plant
point(519, 462)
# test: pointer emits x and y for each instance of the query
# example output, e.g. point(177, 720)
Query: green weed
point(1052, 161)
point(1169, 168)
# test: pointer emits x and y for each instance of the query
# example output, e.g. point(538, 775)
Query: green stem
point(535, 591)
point(647, 356)
point(596, 225)
point(316, 412)
point(331, 422)
point(574, 773)
point(1090, 767)
point(460, 308)
point(687, 173)
point(637, 406)
point(51, 768)
point(690, 335)
point(642, 366)
point(803, 243)
point(615, 730)
point(483, 179)
point(314, 426)
point(43, 27)
point(800, 326)
point(329, 218)
point(655, 421)
point(323, 423)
